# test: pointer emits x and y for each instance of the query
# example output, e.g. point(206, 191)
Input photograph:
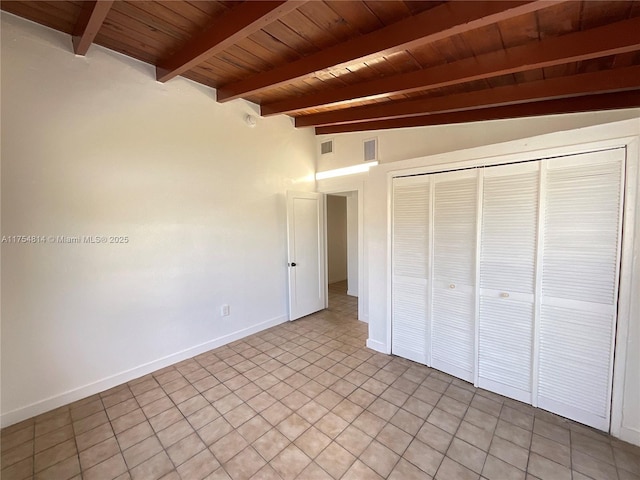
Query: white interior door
point(508, 278)
point(454, 283)
point(579, 289)
point(411, 267)
point(306, 253)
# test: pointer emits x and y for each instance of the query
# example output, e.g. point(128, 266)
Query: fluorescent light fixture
point(339, 172)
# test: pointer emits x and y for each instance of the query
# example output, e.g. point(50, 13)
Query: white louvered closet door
point(507, 278)
point(410, 267)
point(579, 287)
point(454, 285)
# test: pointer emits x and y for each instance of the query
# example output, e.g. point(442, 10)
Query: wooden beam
point(88, 24)
point(443, 21)
point(613, 39)
point(606, 101)
point(605, 81)
point(229, 28)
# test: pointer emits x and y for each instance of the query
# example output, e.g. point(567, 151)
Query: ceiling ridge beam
point(605, 101)
point(604, 81)
point(443, 21)
point(224, 31)
point(88, 25)
point(613, 39)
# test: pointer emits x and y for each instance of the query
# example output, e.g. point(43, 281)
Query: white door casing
point(306, 253)
point(354, 184)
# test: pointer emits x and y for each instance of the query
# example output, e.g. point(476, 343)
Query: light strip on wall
point(339, 172)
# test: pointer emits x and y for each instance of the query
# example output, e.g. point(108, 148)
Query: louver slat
point(455, 217)
point(507, 266)
point(581, 242)
point(581, 232)
point(574, 359)
point(411, 211)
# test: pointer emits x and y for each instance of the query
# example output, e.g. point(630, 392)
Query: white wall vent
point(371, 150)
point(326, 147)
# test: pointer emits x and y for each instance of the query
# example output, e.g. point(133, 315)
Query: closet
point(507, 277)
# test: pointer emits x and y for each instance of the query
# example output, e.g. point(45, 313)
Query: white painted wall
point(352, 244)
point(336, 238)
point(95, 146)
point(377, 249)
point(401, 144)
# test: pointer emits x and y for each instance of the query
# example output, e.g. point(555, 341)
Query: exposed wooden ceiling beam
point(443, 21)
point(88, 24)
point(613, 39)
point(607, 81)
point(229, 28)
point(606, 101)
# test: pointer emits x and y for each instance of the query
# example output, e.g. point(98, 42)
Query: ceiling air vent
point(326, 147)
point(371, 150)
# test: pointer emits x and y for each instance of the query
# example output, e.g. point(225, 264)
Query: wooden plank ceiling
point(343, 66)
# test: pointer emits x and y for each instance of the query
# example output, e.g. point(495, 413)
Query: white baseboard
point(378, 346)
point(351, 293)
point(84, 391)
point(630, 435)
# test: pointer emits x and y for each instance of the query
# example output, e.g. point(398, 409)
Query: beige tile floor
point(306, 400)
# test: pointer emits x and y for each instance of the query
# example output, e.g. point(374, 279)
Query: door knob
point(293, 264)
point(504, 295)
point(452, 286)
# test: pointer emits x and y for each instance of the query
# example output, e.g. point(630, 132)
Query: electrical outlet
point(224, 310)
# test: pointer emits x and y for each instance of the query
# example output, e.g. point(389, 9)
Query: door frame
point(344, 185)
point(515, 152)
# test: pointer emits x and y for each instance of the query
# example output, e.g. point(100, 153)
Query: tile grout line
point(340, 353)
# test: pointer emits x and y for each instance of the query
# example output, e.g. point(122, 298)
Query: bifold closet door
point(410, 267)
point(579, 286)
point(454, 286)
point(507, 278)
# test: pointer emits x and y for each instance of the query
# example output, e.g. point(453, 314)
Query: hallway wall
point(336, 238)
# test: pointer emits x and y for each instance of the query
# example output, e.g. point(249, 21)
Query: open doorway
point(342, 253)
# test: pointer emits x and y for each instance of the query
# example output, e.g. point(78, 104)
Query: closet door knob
point(452, 286)
point(504, 295)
